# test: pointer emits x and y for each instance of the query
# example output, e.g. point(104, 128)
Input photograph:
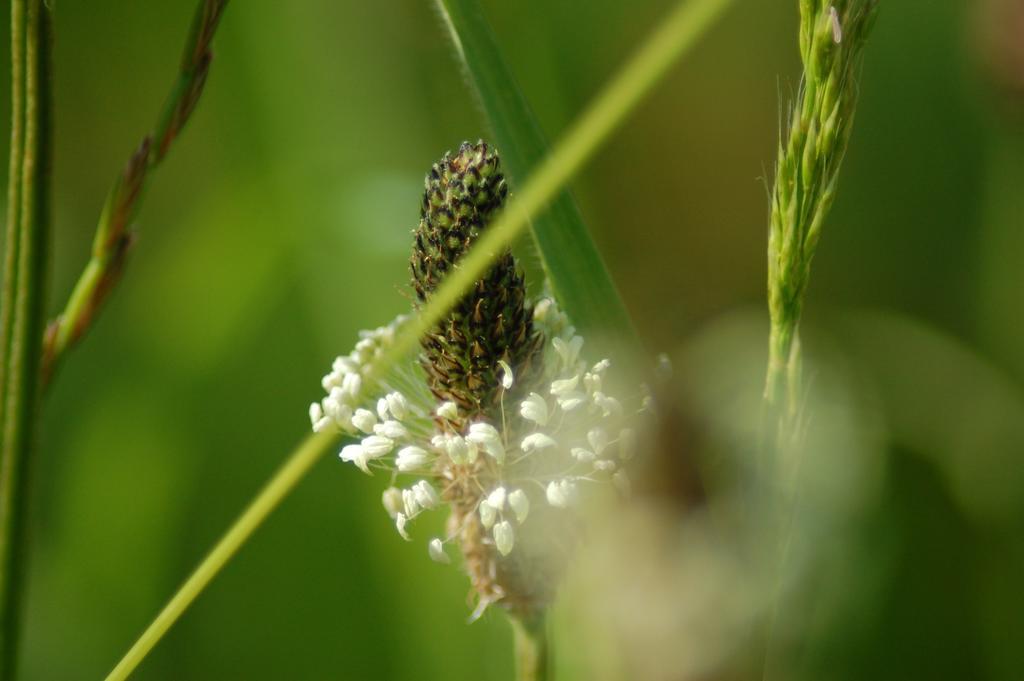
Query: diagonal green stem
point(23, 300)
point(679, 32)
point(283, 482)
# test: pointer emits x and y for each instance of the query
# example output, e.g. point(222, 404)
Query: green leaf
point(571, 261)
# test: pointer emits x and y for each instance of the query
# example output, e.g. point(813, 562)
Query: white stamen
point(535, 409)
point(569, 352)
point(541, 309)
point(426, 495)
point(520, 505)
point(410, 503)
point(355, 454)
point(583, 455)
point(392, 500)
point(561, 493)
point(316, 414)
point(496, 499)
point(391, 429)
point(335, 408)
point(457, 449)
point(488, 514)
point(364, 420)
point(411, 458)
point(504, 537)
point(377, 446)
point(448, 410)
point(351, 384)
point(331, 380)
point(344, 365)
point(555, 495)
point(400, 521)
point(598, 439)
point(565, 385)
point(506, 375)
point(537, 441)
point(572, 400)
point(398, 405)
point(436, 550)
point(609, 405)
point(487, 436)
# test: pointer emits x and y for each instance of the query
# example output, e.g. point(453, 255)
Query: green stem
point(13, 192)
point(782, 385)
point(678, 33)
point(780, 351)
point(23, 300)
point(532, 648)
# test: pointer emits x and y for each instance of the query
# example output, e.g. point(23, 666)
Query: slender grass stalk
point(283, 482)
point(832, 37)
point(532, 649)
point(571, 261)
point(23, 302)
point(114, 235)
point(11, 231)
point(675, 35)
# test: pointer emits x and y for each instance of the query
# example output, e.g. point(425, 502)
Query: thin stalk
point(23, 300)
point(283, 482)
point(832, 37)
point(114, 233)
point(532, 648)
point(11, 232)
point(679, 32)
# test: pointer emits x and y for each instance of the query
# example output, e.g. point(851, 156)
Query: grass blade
point(677, 33)
point(571, 261)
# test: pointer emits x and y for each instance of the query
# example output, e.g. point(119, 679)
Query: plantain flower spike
point(500, 420)
point(491, 325)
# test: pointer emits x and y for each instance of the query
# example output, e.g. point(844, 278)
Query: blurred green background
point(280, 226)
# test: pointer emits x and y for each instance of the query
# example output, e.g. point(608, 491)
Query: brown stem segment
point(114, 234)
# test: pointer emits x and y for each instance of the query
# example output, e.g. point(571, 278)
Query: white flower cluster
point(344, 383)
point(567, 431)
